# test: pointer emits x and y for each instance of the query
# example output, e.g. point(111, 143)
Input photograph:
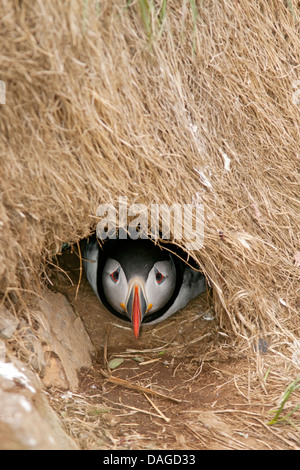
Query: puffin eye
point(115, 275)
point(159, 276)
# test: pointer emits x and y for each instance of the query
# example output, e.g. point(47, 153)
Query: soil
point(210, 396)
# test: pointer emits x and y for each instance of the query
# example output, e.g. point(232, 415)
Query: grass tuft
point(287, 393)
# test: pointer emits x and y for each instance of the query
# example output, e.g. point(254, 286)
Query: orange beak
point(136, 312)
point(136, 305)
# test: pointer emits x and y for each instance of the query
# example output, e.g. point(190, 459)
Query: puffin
point(139, 281)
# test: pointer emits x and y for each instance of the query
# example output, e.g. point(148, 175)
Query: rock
point(2, 351)
point(27, 422)
point(55, 375)
point(8, 323)
point(66, 342)
point(32, 349)
point(57, 349)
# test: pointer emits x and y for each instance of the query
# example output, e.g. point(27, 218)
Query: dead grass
point(204, 112)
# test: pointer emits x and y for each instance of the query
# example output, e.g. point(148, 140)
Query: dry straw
point(197, 104)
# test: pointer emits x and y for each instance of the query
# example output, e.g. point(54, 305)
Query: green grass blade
point(287, 393)
point(145, 10)
point(162, 13)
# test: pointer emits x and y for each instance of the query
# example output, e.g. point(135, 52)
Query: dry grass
point(94, 110)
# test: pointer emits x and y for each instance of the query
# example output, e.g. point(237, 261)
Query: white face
point(158, 287)
point(114, 284)
point(160, 284)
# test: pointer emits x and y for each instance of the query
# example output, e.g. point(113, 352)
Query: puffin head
point(138, 281)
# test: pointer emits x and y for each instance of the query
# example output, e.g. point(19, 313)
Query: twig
point(62, 270)
point(138, 410)
point(149, 362)
point(105, 348)
point(157, 409)
point(139, 388)
point(80, 271)
point(195, 434)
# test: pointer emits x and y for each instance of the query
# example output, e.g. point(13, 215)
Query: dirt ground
point(181, 385)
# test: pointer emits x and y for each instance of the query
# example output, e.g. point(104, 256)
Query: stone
point(8, 323)
point(66, 342)
point(57, 349)
point(32, 349)
point(55, 375)
point(27, 422)
point(2, 350)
